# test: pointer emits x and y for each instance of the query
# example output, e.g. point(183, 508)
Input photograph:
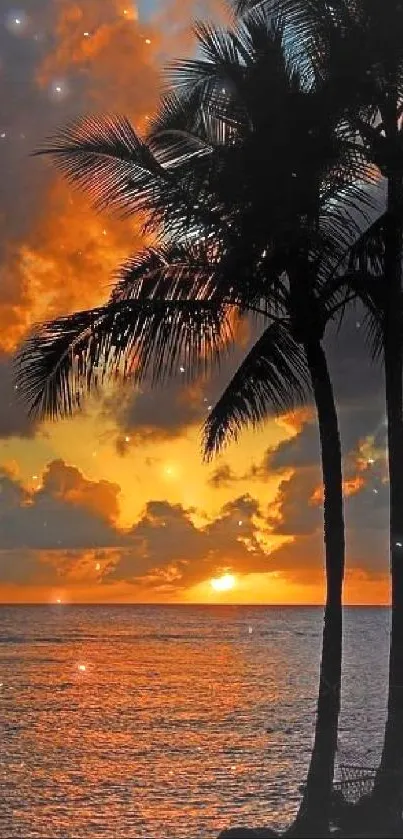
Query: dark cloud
point(28, 113)
point(26, 568)
point(298, 513)
point(165, 413)
point(53, 568)
point(155, 415)
point(223, 476)
point(302, 450)
point(358, 390)
point(357, 381)
point(14, 419)
point(167, 546)
point(67, 512)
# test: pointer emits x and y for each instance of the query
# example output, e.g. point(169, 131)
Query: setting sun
point(224, 583)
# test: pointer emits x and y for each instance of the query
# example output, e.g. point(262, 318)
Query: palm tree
point(265, 242)
point(358, 51)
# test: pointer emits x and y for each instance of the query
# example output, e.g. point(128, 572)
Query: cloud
point(223, 476)
point(148, 415)
point(298, 513)
point(300, 451)
point(358, 382)
point(169, 548)
point(69, 525)
point(66, 512)
point(35, 569)
point(358, 392)
point(14, 420)
point(67, 531)
point(56, 253)
point(29, 568)
point(105, 49)
point(165, 413)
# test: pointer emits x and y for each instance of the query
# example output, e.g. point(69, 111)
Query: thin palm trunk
point(314, 814)
point(388, 791)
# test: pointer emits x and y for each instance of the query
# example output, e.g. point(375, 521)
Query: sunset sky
point(116, 503)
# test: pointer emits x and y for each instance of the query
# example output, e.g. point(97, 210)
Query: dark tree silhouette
point(357, 47)
point(250, 181)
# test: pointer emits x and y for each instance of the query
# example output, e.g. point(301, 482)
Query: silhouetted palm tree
point(357, 46)
point(243, 168)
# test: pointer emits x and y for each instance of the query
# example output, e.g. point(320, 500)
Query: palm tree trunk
point(314, 814)
point(388, 791)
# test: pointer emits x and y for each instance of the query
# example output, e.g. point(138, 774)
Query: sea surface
point(154, 721)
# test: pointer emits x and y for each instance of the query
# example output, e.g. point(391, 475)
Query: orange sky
point(116, 504)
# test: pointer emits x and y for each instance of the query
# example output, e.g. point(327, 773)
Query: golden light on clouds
point(225, 583)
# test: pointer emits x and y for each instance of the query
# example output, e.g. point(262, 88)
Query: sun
point(224, 583)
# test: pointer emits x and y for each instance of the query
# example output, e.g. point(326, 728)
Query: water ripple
point(179, 723)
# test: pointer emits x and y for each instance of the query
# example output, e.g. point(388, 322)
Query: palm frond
point(178, 272)
point(363, 256)
point(136, 340)
point(358, 275)
point(120, 171)
point(240, 67)
point(370, 289)
point(216, 87)
point(374, 335)
point(343, 220)
point(354, 45)
point(105, 156)
point(368, 252)
point(273, 378)
point(200, 272)
point(219, 62)
point(188, 128)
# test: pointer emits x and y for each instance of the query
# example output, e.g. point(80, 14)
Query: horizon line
point(202, 605)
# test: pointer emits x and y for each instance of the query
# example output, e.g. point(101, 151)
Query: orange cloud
point(175, 19)
point(350, 487)
point(67, 483)
point(65, 263)
point(111, 61)
point(353, 485)
point(106, 49)
point(295, 421)
point(117, 54)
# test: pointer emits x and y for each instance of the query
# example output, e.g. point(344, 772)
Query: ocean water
point(184, 721)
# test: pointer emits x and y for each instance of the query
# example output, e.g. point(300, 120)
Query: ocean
point(171, 721)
